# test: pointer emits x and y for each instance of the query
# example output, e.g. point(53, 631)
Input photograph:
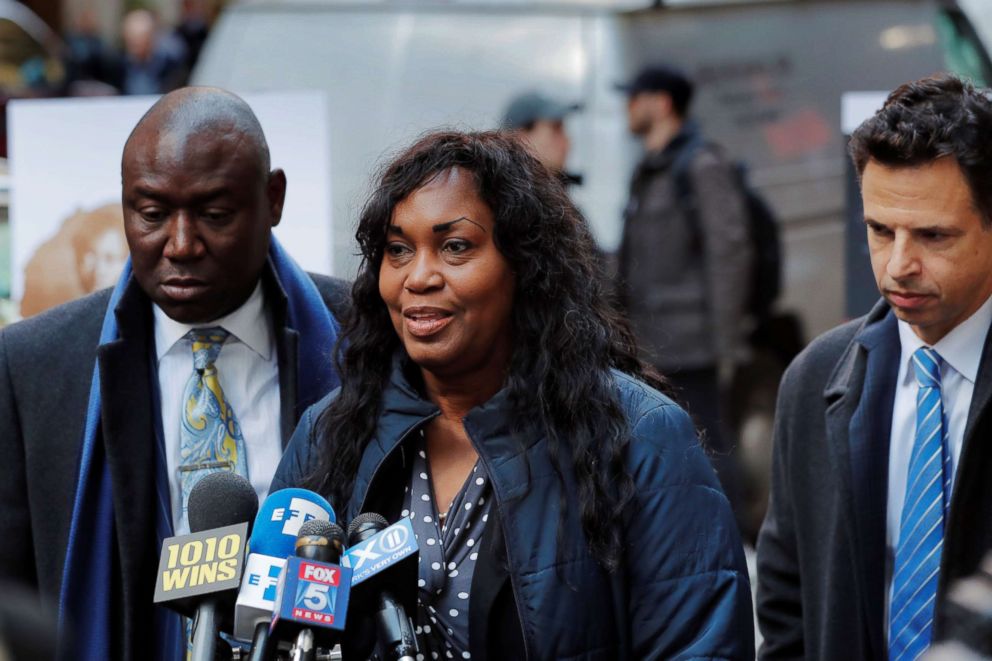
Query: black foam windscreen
point(318, 528)
point(320, 540)
point(337, 537)
point(364, 526)
point(221, 499)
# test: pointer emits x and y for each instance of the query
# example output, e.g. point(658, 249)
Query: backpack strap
point(684, 193)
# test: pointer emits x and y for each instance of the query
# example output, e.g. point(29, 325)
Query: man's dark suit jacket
point(46, 366)
point(821, 551)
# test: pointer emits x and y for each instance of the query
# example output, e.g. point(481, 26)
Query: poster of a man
point(86, 254)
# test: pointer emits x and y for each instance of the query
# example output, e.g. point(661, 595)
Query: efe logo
point(321, 574)
point(300, 511)
point(271, 581)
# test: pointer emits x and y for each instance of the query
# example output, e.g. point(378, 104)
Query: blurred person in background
point(492, 394)
point(91, 65)
point(540, 122)
point(153, 61)
point(685, 257)
point(192, 30)
point(201, 358)
point(881, 497)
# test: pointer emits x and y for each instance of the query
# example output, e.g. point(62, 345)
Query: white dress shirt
point(248, 369)
point(960, 351)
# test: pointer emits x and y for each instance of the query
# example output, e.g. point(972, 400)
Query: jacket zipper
point(399, 444)
point(513, 581)
point(499, 509)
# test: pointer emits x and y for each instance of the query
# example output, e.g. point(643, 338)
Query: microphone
point(391, 553)
point(199, 573)
point(312, 593)
point(273, 538)
point(321, 541)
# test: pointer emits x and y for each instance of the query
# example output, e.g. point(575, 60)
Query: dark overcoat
point(46, 367)
point(821, 551)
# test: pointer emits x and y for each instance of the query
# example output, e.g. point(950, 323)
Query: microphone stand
point(205, 628)
point(260, 643)
point(304, 649)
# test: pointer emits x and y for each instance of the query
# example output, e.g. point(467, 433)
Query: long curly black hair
point(567, 333)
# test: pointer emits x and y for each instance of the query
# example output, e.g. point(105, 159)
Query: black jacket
point(821, 551)
point(46, 364)
point(683, 590)
point(685, 260)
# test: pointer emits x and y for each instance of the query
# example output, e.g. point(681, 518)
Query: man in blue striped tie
point(882, 478)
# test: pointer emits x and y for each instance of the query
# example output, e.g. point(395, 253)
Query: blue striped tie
point(921, 529)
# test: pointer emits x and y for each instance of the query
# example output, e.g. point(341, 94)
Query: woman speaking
point(492, 394)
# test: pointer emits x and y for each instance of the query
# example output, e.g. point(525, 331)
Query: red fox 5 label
point(319, 593)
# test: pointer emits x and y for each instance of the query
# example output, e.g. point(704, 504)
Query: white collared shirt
point(248, 368)
point(960, 351)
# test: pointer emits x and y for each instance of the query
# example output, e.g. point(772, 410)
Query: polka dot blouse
point(448, 550)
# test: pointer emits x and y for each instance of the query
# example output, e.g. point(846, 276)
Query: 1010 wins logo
point(200, 562)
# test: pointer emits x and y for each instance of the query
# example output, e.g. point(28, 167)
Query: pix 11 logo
point(316, 593)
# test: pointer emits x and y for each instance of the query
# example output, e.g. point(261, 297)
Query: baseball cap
point(532, 106)
point(661, 78)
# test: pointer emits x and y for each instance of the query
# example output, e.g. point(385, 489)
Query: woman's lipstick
point(422, 321)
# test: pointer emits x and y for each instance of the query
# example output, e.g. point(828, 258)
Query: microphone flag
point(200, 563)
point(272, 540)
point(311, 594)
point(381, 551)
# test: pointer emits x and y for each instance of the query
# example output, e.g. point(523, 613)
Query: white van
point(770, 76)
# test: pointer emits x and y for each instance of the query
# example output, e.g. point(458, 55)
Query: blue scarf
point(85, 599)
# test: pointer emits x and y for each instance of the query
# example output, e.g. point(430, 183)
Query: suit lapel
point(982, 394)
point(129, 438)
point(858, 423)
point(287, 341)
point(287, 350)
point(870, 431)
point(965, 542)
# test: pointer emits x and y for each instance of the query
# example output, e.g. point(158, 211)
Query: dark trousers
point(698, 391)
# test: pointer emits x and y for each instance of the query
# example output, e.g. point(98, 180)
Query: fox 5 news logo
point(316, 593)
point(299, 512)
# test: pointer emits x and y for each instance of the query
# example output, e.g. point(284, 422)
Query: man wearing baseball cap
point(540, 122)
point(685, 255)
